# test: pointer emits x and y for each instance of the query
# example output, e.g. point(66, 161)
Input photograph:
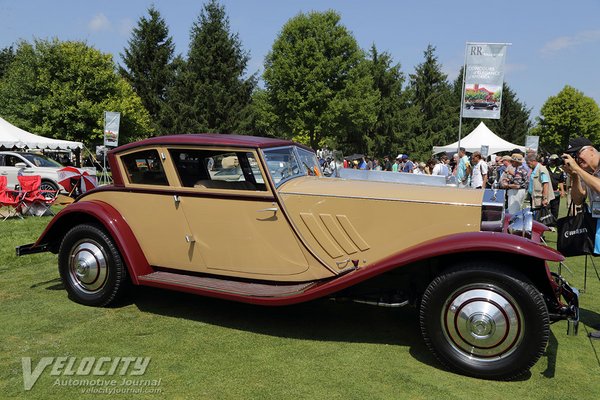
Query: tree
point(7, 55)
point(432, 108)
point(61, 90)
point(514, 123)
point(568, 114)
point(318, 83)
point(210, 91)
point(148, 62)
point(388, 81)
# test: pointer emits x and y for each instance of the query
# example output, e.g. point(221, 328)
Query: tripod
point(585, 270)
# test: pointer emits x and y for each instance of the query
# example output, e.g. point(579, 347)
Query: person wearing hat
point(409, 166)
point(558, 179)
point(582, 163)
point(504, 164)
point(515, 181)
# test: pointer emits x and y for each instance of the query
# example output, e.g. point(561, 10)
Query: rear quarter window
point(144, 168)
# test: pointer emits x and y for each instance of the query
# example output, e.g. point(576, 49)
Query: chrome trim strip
point(382, 198)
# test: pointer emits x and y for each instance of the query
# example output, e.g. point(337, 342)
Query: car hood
point(337, 187)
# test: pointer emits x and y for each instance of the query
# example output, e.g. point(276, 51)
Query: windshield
point(289, 162)
point(41, 161)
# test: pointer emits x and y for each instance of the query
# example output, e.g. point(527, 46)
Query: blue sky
point(554, 43)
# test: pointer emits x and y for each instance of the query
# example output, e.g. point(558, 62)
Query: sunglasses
point(578, 154)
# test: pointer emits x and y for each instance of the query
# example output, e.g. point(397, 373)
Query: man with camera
point(582, 163)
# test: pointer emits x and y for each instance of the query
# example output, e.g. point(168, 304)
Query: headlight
point(521, 223)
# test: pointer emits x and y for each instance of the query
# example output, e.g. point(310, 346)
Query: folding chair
point(10, 199)
point(32, 195)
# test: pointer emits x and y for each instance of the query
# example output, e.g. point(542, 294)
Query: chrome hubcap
point(482, 322)
point(88, 266)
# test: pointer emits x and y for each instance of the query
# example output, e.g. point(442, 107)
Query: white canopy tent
point(11, 136)
point(481, 135)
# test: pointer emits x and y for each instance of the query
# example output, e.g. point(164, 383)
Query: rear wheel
point(91, 266)
point(485, 321)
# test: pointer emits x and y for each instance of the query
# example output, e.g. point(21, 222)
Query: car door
point(154, 211)
point(237, 226)
point(10, 170)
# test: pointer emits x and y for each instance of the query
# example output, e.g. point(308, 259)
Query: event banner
point(111, 128)
point(484, 76)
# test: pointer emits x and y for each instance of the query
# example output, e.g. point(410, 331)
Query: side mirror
point(21, 165)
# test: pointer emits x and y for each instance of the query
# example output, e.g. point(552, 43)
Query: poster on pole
point(532, 142)
point(111, 128)
point(484, 76)
point(485, 151)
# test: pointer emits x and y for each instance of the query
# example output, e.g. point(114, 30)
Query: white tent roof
point(481, 135)
point(11, 136)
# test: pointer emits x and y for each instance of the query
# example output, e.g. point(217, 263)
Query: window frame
point(178, 184)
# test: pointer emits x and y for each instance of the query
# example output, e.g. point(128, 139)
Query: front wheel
point(48, 189)
point(91, 266)
point(484, 321)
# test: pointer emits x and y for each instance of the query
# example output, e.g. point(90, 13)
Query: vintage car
point(279, 233)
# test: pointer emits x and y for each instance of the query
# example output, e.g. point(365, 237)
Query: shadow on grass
point(319, 320)
point(322, 320)
point(58, 286)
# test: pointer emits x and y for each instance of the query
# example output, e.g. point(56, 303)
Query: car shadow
point(321, 320)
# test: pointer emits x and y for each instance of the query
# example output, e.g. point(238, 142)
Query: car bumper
point(30, 248)
point(569, 306)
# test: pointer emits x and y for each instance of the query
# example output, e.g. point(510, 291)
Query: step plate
point(226, 286)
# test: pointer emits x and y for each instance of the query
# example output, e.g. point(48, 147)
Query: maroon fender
point(459, 243)
point(473, 242)
point(113, 222)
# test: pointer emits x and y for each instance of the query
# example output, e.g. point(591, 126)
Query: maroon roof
point(214, 139)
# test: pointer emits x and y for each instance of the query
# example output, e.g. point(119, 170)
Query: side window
point(145, 168)
point(11, 161)
point(214, 169)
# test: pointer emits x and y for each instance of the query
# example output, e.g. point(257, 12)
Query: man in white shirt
point(479, 176)
point(441, 168)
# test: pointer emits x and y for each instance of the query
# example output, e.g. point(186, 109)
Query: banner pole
point(462, 99)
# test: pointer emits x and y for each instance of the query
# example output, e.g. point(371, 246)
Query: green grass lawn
point(203, 348)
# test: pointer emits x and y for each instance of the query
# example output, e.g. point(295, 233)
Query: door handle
point(190, 239)
point(177, 200)
point(271, 209)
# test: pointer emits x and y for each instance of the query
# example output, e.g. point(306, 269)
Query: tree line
point(319, 88)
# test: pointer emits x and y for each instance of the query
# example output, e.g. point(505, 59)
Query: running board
point(182, 282)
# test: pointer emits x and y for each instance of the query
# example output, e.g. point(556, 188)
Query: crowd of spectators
point(529, 180)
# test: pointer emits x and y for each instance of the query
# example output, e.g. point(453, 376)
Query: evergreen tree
point(7, 55)
point(148, 62)
point(514, 123)
point(388, 81)
point(432, 108)
point(210, 91)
